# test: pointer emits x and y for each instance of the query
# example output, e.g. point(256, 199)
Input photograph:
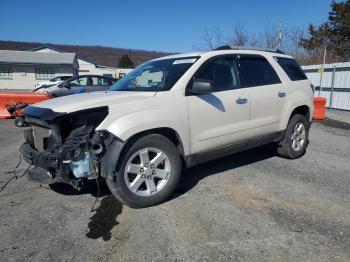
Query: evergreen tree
point(335, 33)
point(126, 62)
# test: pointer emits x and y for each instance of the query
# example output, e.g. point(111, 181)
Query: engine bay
point(64, 148)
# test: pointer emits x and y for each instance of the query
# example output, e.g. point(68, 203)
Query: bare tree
point(291, 37)
point(239, 36)
point(254, 41)
point(213, 39)
point(269, 38)
point(272, 36)
point(290, 42)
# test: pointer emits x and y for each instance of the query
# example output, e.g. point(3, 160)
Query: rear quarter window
point(292, 68)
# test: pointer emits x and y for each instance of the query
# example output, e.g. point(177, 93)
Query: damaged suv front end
point(64, 147)
point(132, 136)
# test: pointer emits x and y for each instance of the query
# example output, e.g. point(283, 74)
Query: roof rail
point(227, 47)
point(223, 47)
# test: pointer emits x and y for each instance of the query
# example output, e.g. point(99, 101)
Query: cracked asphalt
point(252, 206)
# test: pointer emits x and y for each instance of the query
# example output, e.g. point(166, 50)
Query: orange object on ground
point(18, 98)
point(319, 108)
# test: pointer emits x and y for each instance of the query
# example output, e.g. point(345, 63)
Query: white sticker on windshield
point(185, 61)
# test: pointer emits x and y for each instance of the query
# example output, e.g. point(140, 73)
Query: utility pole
point(279, 35)
point(322, 68)
point(332, 88)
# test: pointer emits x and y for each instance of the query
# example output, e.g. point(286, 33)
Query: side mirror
point(201, 87)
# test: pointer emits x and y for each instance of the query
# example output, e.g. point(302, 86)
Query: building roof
point(60, 51)
point(28, 57)
point(45, 46)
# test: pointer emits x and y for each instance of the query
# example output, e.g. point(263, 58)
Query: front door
point(77, 85)
point(219, 119)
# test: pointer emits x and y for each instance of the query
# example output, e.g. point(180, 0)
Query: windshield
point(159, 75)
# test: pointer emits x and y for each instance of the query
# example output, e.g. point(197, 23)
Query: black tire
point(284, 148)
point(19, 122)
point(118, 186)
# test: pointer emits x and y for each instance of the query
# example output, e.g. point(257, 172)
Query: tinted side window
point(80, 81)
point(257, 71)
point(108, 81)
point(292, 68)
point(96, 81)
point(222, 72)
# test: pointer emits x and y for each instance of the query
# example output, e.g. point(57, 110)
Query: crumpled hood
point(72, 103)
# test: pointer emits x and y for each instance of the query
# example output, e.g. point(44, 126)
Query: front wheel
point(149, 172)
point(296, 138)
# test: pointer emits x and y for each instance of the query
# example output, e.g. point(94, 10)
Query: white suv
point(167, 114)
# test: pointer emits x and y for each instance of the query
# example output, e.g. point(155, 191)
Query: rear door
point(99, 84)
point(267, 94)
point(220, 119)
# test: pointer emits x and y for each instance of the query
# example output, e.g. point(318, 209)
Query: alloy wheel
point(298, 137)
point(147, 171)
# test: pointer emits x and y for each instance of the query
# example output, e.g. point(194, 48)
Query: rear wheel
point(296, 138)
point(149, 172)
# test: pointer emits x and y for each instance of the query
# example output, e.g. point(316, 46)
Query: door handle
point(281, 94)
point(241, 101)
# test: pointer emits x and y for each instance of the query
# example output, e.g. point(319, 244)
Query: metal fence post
point(321, 74)
point(332, 89)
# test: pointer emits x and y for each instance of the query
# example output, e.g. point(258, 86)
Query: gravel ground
point(252, 206)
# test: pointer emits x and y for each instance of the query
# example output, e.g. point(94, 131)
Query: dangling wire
point(19, 162)
point(15, 177)
point(98, 195)
point(94, 170)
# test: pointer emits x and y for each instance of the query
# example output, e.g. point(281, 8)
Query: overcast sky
point(172, 26)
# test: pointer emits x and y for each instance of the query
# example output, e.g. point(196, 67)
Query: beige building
point(24, 69)
point(87, 67)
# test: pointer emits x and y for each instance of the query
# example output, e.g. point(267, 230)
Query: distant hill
point(107, 56)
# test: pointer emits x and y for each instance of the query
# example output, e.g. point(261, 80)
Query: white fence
point(333, 83)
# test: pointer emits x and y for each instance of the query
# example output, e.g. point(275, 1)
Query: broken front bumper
point(42, 164)
point(36, 158)
point(60, 146)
